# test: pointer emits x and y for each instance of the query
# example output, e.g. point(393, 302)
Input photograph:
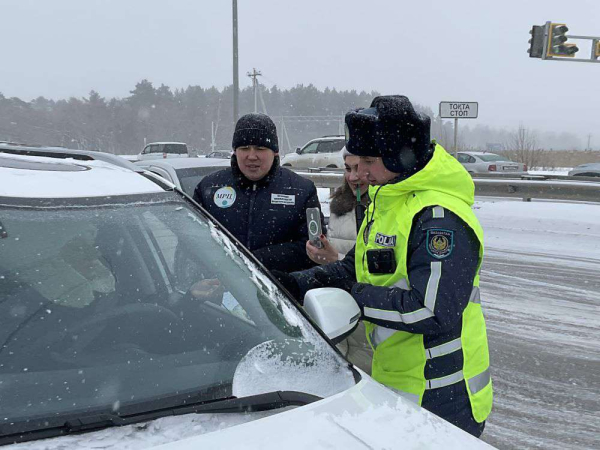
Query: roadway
point(543, 316)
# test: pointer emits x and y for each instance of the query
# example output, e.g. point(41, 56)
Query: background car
point(106, 342)
point(483, 162)
point(163, 150)
point(586, 170)
point(185, 173)
point(223, 154)
point(317, 153)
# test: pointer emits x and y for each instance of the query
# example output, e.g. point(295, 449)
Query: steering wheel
point(82, 338)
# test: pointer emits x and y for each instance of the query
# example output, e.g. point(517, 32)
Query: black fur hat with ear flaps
point(391, 129)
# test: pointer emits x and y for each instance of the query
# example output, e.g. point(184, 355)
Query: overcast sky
point(429, 50)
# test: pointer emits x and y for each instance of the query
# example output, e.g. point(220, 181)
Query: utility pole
point(213, 142)
point(236, 80)
point(589, 142)
point(254, 76)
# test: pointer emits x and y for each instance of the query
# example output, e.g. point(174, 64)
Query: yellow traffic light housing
point(557, 36)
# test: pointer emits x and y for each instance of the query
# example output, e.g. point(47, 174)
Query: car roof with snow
point(162, 143)
point(478, 153)
point(329, 138)
point(26, 176)
point(184, 163)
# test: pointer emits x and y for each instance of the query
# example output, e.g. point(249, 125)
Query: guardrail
point(526, 187)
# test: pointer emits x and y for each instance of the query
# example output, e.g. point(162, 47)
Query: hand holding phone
point(313, 221)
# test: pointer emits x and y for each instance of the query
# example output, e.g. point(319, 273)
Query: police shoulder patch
point(440, 242)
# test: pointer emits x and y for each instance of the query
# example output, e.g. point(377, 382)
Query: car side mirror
point(333, 310)
point(298, 150)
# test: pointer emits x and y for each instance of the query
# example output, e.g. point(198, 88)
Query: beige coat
point(341, 233)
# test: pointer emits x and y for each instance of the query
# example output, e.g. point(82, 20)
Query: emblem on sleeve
point(440, 243)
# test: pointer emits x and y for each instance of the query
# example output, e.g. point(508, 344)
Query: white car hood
point(366, 416)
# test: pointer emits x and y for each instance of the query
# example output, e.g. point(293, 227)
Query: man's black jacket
point(267, 216)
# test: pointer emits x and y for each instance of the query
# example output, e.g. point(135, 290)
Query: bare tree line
point(189, 115)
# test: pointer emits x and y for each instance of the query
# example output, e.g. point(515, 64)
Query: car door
point(328, 154)
point(463, 158)
point(153, 152)
point(145, 153)
point(306, 157)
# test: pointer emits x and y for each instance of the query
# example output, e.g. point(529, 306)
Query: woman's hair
point(343, 200)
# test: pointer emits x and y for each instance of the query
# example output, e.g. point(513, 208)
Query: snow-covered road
point(541, 297)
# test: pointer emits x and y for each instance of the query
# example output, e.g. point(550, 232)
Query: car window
point(309, 149)
point(98, 308)
point(154, 149)
point(490, 157)
point(463, 158)
point(190, 177)
point(330, 146)
point(177, 149)
point(472, 159)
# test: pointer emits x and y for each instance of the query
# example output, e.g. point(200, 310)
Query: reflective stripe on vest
point(380, 334)
point(475, 296)
point(444, 349)
point(414, 316)
point(437, 383)
point(476, 383)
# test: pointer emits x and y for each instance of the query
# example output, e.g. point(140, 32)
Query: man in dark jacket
point(262, 204)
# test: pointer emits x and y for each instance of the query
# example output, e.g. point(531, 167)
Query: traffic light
point(556, 41)
point(536, 43)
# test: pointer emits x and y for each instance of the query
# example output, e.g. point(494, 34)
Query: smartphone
point(313, 221)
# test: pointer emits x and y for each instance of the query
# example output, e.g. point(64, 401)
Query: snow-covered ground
point(541, 296)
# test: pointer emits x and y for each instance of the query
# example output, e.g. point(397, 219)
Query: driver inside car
point(75, 275)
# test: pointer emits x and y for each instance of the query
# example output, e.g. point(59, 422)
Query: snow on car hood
point(367, 415)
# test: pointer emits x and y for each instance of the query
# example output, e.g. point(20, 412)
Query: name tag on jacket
point(283, 199)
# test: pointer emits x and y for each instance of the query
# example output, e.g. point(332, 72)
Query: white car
point(325, 152)
point(483, 162)
point(185, 173)
point(163, 150)
point(130, 319)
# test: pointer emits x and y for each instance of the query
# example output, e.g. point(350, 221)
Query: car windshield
point(190, 177)
point(177, 149)
point(331, 146)
point(108, 303)
point(490, 157)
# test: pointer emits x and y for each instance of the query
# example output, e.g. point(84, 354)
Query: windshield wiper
point(60, 426)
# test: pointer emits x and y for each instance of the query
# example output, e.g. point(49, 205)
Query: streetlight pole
point(236, 81)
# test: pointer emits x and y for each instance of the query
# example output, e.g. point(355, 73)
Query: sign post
point(458, 110)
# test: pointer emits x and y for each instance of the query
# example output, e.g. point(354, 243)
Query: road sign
point(459, 110)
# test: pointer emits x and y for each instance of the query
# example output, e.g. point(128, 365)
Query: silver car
point(483, 162)
point(586, 170)
point(185, 173)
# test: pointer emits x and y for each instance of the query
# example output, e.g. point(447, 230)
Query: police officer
point(415, 268)
point(260, 203)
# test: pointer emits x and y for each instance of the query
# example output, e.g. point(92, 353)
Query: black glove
point(329, 281)
point(289, 283)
